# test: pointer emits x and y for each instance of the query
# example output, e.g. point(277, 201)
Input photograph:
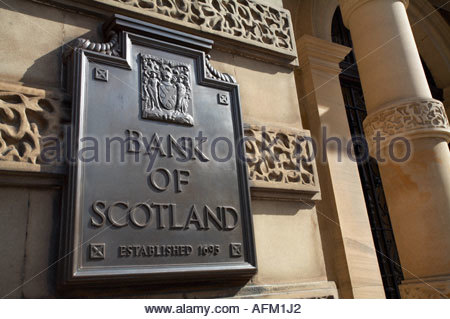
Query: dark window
point(436, 92)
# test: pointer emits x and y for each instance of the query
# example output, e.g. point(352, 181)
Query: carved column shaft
point(400, 105)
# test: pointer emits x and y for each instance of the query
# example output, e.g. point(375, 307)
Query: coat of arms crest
point(166, 90)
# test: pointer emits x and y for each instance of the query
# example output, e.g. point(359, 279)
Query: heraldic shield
point(166, 90)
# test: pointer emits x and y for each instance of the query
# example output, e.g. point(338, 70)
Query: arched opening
point(380, 223)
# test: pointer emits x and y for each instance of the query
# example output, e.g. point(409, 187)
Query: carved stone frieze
point(243, 19)
point(166, 90)
point(419, 117)
point(28, 125)
point(280, 159)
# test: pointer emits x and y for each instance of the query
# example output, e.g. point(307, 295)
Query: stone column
point(403, 119)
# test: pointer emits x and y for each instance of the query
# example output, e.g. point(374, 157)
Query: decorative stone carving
point(408, 118)
point(280, 159)
point(244, 19)
point(110, 48)
point(166, 90)
point(28, 124)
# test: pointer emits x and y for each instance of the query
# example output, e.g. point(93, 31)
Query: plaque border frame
point(70, 271)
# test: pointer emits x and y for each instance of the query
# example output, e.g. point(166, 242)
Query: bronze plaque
point(158, 184)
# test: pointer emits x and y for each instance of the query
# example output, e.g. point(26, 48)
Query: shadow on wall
point(36, 37)
point(268, 207)
point(29, 240)
point(230, 62)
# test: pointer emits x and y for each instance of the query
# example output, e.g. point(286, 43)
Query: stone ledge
point(320, 54)
point(303, 290)
point(32, 168)
point(308, 290)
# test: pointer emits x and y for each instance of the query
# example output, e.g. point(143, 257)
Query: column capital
point(321, 54)
point(408, 118)
point(349, 6)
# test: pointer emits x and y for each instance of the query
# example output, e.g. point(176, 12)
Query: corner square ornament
point(97, 251)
